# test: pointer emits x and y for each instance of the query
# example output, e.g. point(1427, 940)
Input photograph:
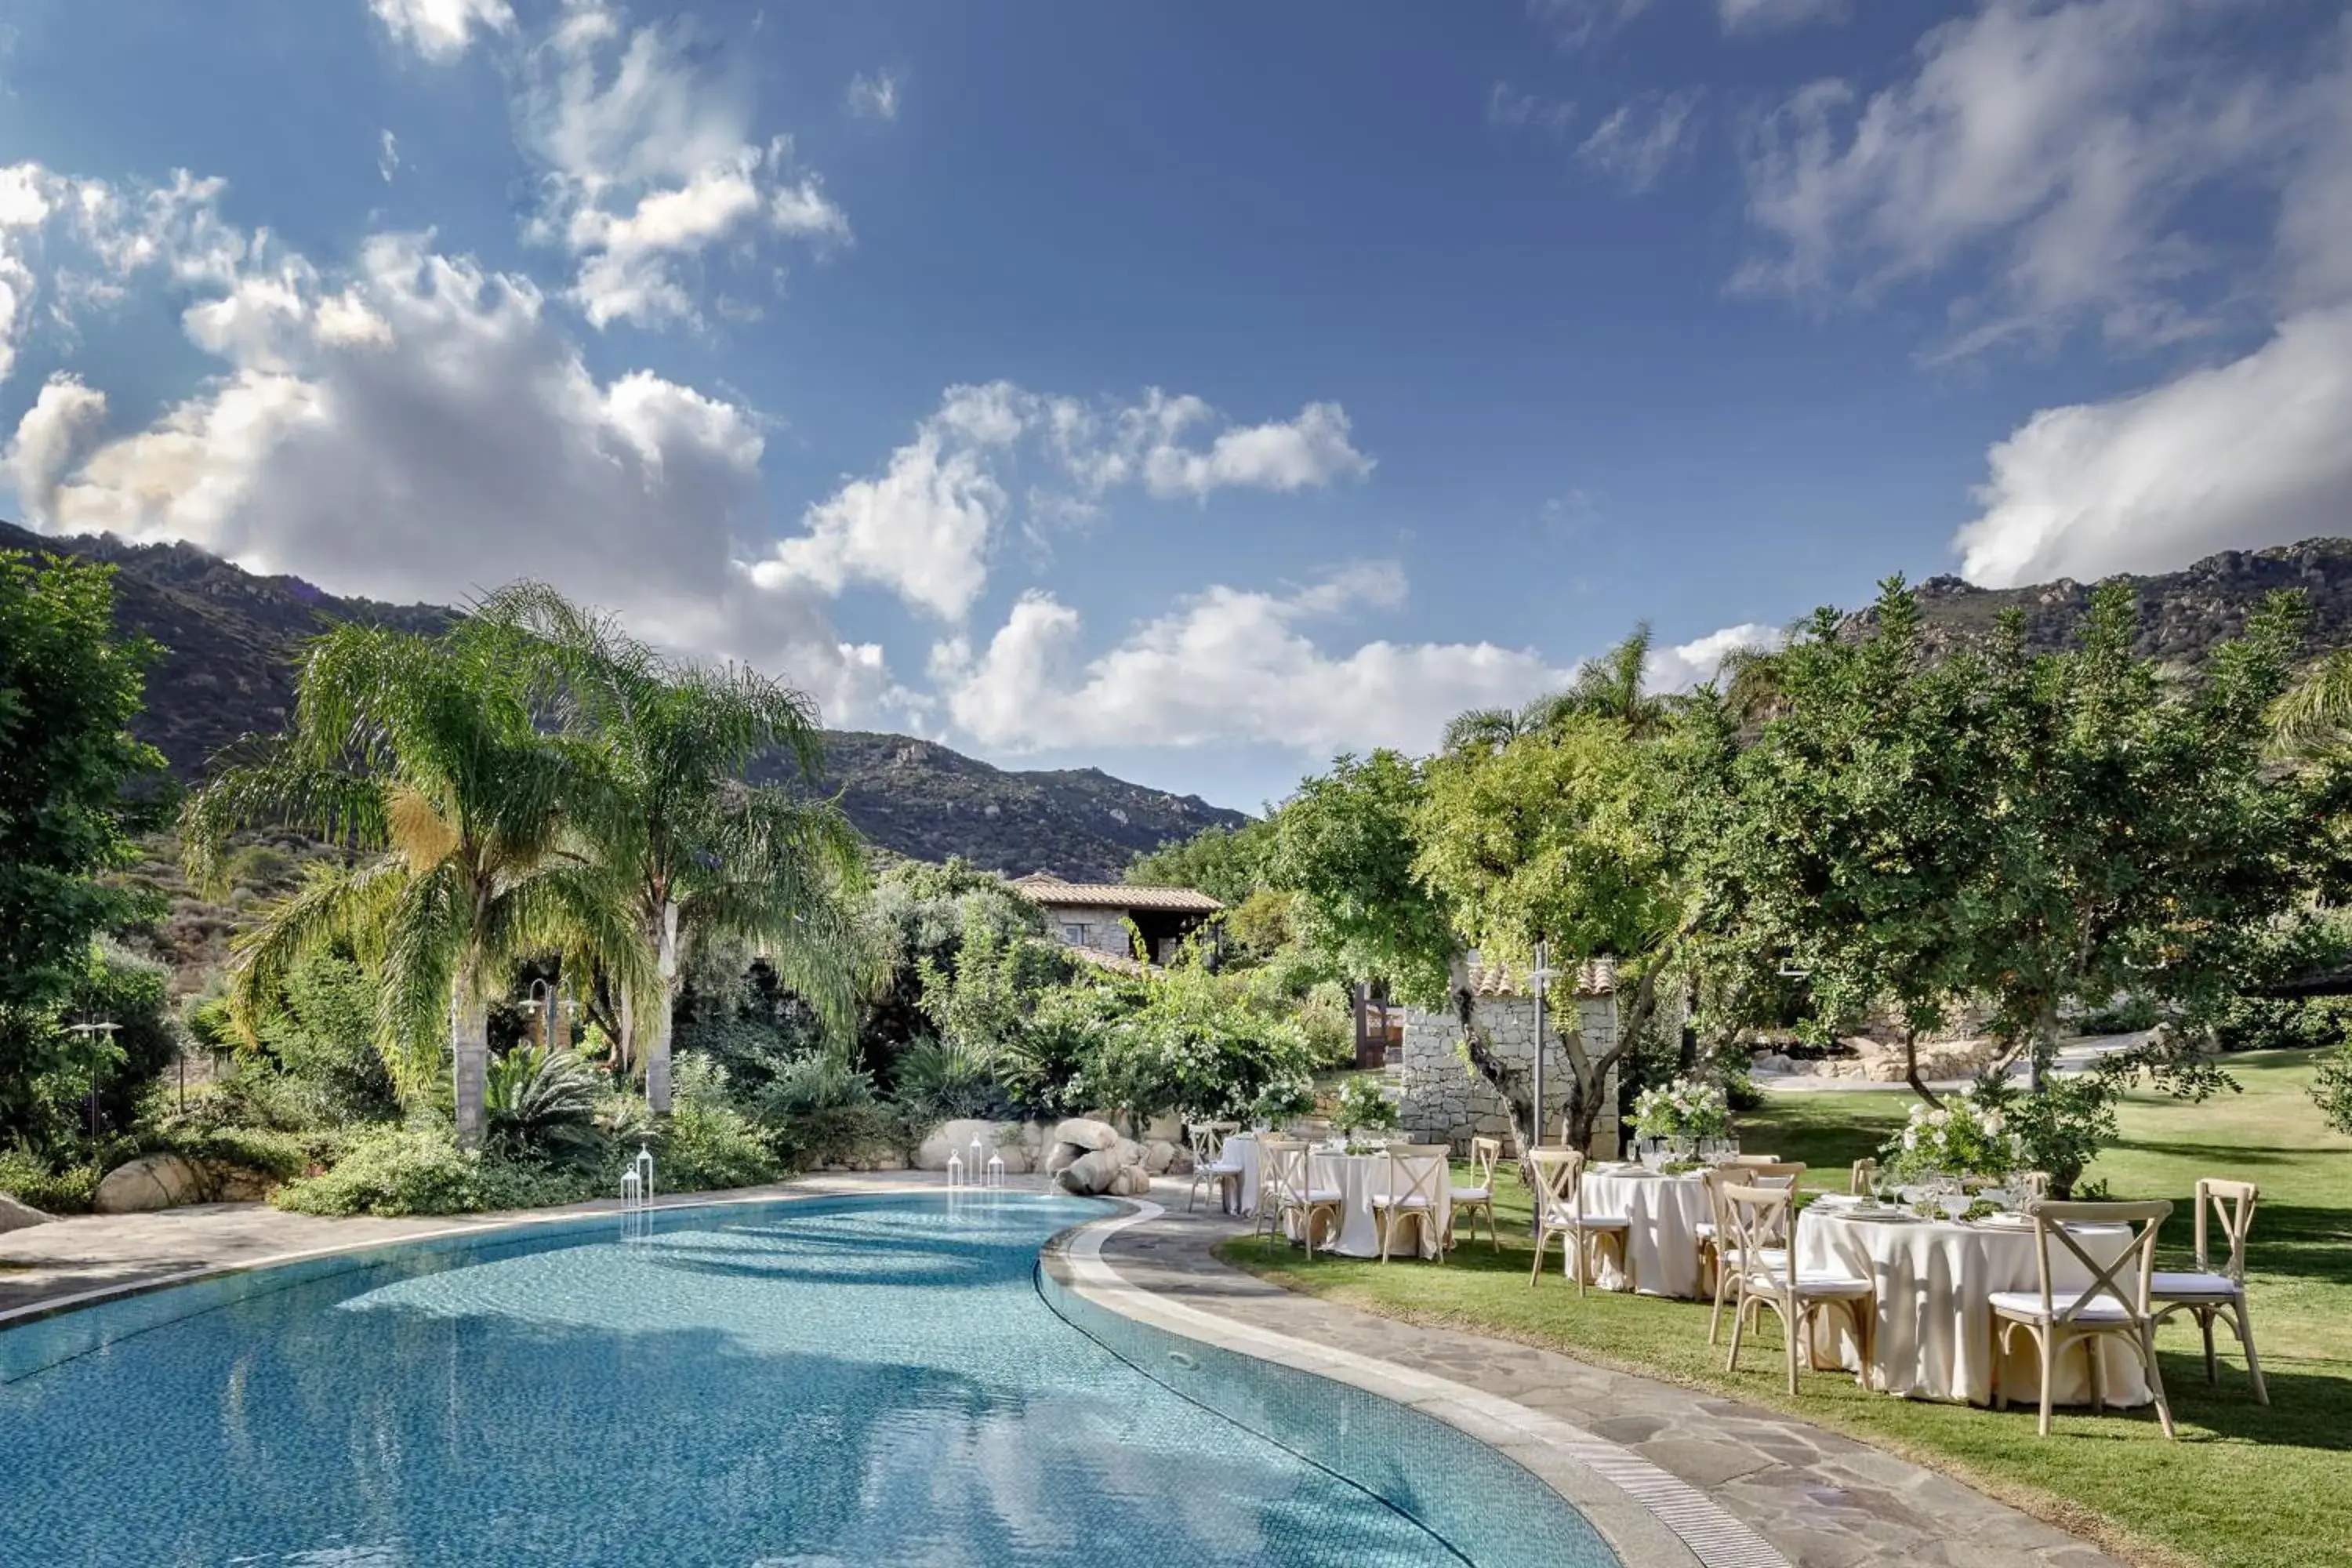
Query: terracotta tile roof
point(1046, 889)
point(1495, 978)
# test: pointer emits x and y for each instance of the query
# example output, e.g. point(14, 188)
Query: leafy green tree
point(2132, 840)
point(1854, 840)
point(1345, 844)
point(696, 853)
point(1562, 837)
point(68, 774)
point(476, 835)
point(1228, 864)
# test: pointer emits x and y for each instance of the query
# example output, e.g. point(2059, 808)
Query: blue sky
point(1191, 390)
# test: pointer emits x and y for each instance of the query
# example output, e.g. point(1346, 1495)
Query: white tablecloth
point(1662, 1243)
point(1934, 1326)
point(1242, 1149)
point(1358, 1177)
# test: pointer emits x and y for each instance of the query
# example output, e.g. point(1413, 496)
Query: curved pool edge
point(460, 1229)
point(1651, 1518)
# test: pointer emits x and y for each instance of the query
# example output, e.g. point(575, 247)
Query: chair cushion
point(2193, 1287)
point(1773, 1257)
point(1703, 1230)
point(1562, 1219)
point(1833, 1287)
point(1471, 1195)
point(1325, 1196)
point(2027, 1304)
point(1410, 1201)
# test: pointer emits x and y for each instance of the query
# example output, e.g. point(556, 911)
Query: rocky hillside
point(229, 636)
point(2183, 614)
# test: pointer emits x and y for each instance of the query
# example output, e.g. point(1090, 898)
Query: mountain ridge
point(230, 637)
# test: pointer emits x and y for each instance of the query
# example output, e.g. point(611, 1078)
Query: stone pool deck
point(1674, 1477)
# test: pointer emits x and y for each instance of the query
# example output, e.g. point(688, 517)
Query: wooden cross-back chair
point(2211, 1289)
point(1560, 1212)
point(2115, 1305)
point(1755, 1257)
point(1417, 1178)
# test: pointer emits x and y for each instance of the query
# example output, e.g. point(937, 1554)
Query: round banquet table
point(1242, 1149)
point(1358, 1177)
point(1662, 1242)
point(1933, 1278)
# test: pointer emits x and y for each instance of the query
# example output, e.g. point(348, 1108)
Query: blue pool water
point(783, 1385)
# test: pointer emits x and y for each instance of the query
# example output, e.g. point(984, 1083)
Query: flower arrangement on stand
point(1965, 1137)
point(1362, 1107)
point(1284, 1098)
point(1684, 1111)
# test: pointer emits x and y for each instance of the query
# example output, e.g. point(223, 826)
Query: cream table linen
point(1357, 1178)
point(1242, 1149)
point(1933, 1278)
point(1663, 1240)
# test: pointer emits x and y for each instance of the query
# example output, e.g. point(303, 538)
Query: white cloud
point(925, 527)
point(387, 155)
point(1576, 23)
point(873, 97)
point(441, 30)
point(1511, 108)
point(652, 161)
point(2051, 149)
point(53, 433)
point(1687, 665)
point(2254, 452)
point(421, 428)
point(1643, 137)
point(1226, 667)
point(1761, 15)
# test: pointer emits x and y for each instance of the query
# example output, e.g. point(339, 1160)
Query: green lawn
point(2245, 1486)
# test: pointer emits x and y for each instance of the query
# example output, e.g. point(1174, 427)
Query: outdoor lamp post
point(1539, 978)
point(542, 997)
point(86, 1028)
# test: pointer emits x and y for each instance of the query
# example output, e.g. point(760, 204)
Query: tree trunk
point(627, 1040)
point(1509, 1083)
point(1911, 1067)
point(2045, 1046)
point(469, 1052)
point(657, 1058)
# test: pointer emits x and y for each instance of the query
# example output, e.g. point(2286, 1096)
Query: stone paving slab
point(1822, 1498)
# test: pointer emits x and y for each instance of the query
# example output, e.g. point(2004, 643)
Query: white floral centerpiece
point(1682, 1111)
point(1966, 1137)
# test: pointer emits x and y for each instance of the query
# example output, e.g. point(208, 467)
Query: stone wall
point(1107, 929)
point(1445, 1102)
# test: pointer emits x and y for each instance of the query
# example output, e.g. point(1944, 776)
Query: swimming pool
point(797, 1385)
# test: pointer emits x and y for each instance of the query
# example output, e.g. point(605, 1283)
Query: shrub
point(1195, 1046)
point(2268, 1023)
point(840, 1133)
point(29, 1179)
point(940, 1080)
point(541, 1105)
point(706, 1143)
point(2331, 1090)
point(2062, 1126)
point(419, 1169)
point(324, 1037)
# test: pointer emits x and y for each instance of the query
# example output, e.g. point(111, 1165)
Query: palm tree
point(699, 855)
point(2314, 715)
point(1608, 687)
point(473, 831)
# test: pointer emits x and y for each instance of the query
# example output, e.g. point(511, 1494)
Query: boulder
point(149, 1182)
point(1062, 1156)
point(1129, 1152)
point(236, 1185)
point(955, 1138)
point(1133, 1182)
point(1158, 1155)
point(1086, 1133)
point(891, 1160)
point(1164, 1129)
point(1091, 1174)
point(14, 1215)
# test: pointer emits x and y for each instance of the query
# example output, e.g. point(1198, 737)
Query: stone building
point(1110, 918)
point(1445, 1102)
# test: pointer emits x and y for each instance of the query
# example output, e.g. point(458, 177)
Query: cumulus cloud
point(387, 155)
point(1687, 665)
point(2249, 453)
point(419, 427)
point(53, 433)
point(1642, 137)
point(874, 97)
point(2051, 149)
point(652, 161)
point(924, 526)
point(1227, 666)
point(442, 30)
